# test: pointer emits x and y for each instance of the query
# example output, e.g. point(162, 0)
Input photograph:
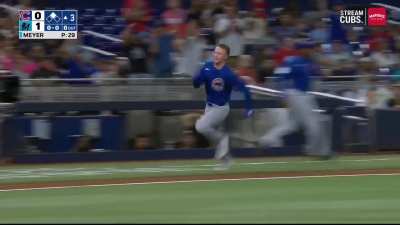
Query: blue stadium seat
point(98, 28)
point(109, 19)
point(113, 47)
point(99, 20)
point(109, 30)
point(88, 27)
point(116, 30)
point(86, 39)
point(99, 12)
point(91, 11)
point(112, 12)
point(107, 46)
point(120, 20)
point(119, 28)
point(86, 18)
point(81, 27)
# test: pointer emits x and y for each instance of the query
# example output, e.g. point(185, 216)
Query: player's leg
point(209, 125)
point(317, 140)
point(306, 118)
point(273, 138)
point(322, 146)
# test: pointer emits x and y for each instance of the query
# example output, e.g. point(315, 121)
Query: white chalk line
point(199, 181)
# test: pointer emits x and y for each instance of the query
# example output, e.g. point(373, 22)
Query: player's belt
point(213, 104)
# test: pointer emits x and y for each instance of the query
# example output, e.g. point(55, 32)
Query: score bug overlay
point(48, 24)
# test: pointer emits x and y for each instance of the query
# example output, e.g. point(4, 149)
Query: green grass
point(372, 199)
point(122, 170)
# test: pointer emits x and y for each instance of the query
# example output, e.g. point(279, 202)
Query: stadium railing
point(146, 88)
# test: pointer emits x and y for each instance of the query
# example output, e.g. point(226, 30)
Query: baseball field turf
point(347, 189)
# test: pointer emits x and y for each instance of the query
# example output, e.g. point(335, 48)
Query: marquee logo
point(377, 16)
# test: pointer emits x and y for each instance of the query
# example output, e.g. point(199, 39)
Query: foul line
point(201, 180)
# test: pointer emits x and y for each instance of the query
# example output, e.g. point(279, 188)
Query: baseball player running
point(294, 82)
point(219, 80)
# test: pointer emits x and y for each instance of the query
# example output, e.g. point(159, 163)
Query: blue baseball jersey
point(219, 84)
point(295, 73)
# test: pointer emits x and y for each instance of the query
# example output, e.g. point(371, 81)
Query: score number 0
point(37, 16)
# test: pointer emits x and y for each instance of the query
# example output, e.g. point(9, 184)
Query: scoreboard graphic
point(48, 24)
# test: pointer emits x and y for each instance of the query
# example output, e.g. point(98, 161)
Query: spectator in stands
point(302, 27)
point(286, 49)
point(31, 63)
point(23, 66)
point(46, 69)
point(85, 143)
point(365, 85)
point(246, 69)
point(162, 45)
point(137, 51)
point(174, 17)
point(228, 31)
point(395, 101)
point(192, 49)
point(384, 56)
point(196, 10)
point(212, 9)
point(51, 46)
point(379, 96)
point(106, 67)
point(7, 24)
point(340, 59)
point(24, 4)
point(320, 57)
point(142, 142)
point(265, 70)
point(286, 26)
point(3, 53)
point(260, 8)
point(319, 31)
point(8, 55)
point(264, 63)
point(188, 140)
point(254, 27)
point(337, 31)
point(138, 15)
point(79, 64)
point(396, 35)
point(376, 36)
point(383, 95)
point(190, 133)
point(396, 73)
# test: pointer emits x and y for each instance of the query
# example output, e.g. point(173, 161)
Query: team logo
point(377, 16)
point(217, 84)
point(25, 15)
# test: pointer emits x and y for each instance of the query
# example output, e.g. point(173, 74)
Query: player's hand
point(249, 113)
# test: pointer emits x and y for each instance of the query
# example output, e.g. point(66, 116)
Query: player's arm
point(199, 78)
point(241, 86)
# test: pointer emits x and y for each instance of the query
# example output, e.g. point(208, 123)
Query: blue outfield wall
point(382, 133)
point(59, 133)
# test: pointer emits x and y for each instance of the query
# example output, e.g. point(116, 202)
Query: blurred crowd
point(179, 39)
